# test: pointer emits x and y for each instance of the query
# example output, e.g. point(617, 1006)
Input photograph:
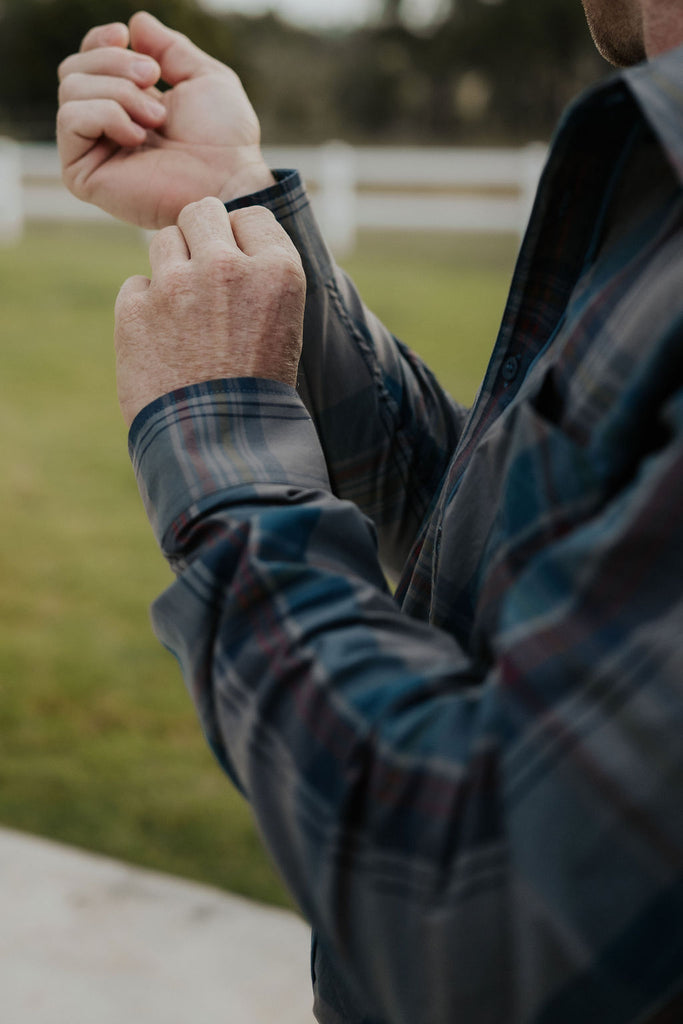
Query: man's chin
point(621, 56)
point(617, 33)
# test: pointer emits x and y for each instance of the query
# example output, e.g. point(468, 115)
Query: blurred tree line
point(488, 71)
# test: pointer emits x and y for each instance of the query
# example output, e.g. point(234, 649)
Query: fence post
point(337, 197)
point(533, 158)
point(11, 196)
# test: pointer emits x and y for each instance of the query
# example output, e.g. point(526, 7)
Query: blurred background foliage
point(485, 72)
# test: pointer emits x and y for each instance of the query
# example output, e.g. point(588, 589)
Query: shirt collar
point(657, 86)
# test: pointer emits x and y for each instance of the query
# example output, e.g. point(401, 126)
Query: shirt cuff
point(287, 193)
point(233, 440)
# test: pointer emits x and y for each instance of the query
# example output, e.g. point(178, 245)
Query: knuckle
point(186, 212)
point(252, 214)
point(101, 35)
point(63, 68)
point(198, 206)
point(127, 306)
point(209, 203)
point(125, 291)
point(111, 60)
point(293, 272)
point(113, 114)
point(287, 271)
point(162, 236)
point(69, 86)
point(181, 40)
point(131, 314)
point(92, 36)
point(65, 115)
point(224, 265)
point(126, 91)
point(225, 72)
point(172, 284)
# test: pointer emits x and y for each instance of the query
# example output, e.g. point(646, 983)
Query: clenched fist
point(226, 299)
point(141, 154)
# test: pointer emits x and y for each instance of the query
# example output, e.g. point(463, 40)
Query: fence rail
point(478, 190)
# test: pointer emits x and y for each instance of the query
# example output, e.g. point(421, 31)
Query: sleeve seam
point(400, 434)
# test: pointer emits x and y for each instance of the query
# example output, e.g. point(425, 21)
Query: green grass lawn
point(442, 294)
point(99, 742)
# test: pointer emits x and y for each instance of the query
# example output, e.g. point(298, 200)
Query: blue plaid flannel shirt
point(474, 786)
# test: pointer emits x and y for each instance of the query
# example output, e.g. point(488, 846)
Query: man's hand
point(141, 154)
point(226, 299)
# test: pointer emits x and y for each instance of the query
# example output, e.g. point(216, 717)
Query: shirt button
point(510, 369)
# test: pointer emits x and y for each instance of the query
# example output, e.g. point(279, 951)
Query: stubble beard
point(617, 31)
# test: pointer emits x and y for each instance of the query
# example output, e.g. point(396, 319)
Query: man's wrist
point(254, 178)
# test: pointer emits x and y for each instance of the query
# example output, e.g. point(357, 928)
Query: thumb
point(178, 58)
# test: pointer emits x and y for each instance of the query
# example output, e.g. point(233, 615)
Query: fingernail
point(142, 69)
point(155, 109)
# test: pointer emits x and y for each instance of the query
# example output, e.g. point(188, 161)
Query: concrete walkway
point(87, 940)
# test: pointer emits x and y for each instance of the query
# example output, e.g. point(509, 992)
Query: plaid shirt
point(473, 787)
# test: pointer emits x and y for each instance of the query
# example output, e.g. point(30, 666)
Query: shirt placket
point(562, 231)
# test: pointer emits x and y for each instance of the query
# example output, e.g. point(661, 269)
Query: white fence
point(477, 190)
